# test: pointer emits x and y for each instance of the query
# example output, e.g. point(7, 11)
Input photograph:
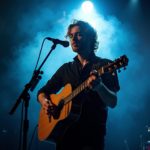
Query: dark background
point(23, 25)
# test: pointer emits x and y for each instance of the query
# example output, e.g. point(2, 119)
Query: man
point(88, 131)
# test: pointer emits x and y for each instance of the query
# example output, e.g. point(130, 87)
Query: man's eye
point(70, 36)
point(80, 34)
point(75, 35)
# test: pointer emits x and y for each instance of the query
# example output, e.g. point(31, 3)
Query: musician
point(89, 130)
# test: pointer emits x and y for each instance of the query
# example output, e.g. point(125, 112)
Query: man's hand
point(94, 80)
point(47, 105)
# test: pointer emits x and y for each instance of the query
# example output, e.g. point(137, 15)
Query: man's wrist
point(98, 87)
point(43, 99)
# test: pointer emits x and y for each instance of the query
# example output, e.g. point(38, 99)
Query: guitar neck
point(75, 92)
point(81, 87)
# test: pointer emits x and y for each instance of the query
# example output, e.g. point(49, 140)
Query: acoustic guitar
point(53, 125)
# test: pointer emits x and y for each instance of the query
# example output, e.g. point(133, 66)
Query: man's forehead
point(76, 29)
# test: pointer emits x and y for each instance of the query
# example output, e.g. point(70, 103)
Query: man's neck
point(82, 60)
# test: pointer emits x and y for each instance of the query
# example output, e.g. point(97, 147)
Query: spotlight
point(87, 6)
point(134, 1)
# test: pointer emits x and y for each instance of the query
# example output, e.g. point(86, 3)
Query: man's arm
point(52, 86)
point(108, 97)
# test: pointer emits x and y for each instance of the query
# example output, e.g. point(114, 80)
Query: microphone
point(57, 41)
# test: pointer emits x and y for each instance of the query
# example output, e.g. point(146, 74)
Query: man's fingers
point(50, 103)
point(46, 105)
point(90, 80)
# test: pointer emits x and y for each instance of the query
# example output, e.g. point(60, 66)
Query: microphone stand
point(25, 96)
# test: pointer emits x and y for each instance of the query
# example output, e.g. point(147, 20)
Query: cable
point(21, 125)
point(30, 144)
point(39, 54)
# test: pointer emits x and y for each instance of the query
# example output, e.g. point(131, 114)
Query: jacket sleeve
point(54, 84)
point(111, 79)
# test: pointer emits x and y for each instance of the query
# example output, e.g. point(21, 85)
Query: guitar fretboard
point(75, 92)
point(81, 87)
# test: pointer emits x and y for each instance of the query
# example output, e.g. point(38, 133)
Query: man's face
point(79, 41)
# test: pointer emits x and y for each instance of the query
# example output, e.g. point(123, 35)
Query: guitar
point(53, 126)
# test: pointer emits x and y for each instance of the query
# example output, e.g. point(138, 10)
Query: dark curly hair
point(88, 30)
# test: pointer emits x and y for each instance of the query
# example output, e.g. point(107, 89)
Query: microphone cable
point(39, 54)
point(21, 126)
point(31, 140)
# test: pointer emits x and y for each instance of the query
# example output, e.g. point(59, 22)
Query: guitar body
point(53, 129)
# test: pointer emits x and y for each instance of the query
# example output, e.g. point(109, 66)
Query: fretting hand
point(94, 80)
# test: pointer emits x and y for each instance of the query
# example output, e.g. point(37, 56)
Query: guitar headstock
point(117, 64)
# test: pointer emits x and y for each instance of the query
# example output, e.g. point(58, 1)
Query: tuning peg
point(115, 66)
point(113, 74)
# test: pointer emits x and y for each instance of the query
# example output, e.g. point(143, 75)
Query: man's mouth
point(75, 45)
